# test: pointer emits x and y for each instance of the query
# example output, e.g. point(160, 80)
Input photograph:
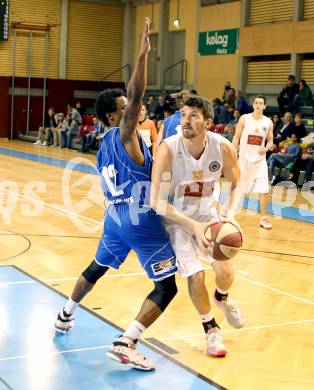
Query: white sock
point(134, 330)
point(207, 317)
point(224, 292)
point(70, 306)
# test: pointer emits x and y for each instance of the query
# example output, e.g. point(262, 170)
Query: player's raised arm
point(238, 132)
point(135, 93)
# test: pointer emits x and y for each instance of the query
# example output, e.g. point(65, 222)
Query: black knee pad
point(164, 292)
point(94, 272)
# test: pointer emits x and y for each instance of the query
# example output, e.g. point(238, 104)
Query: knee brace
point(94, 272)
point(164, 292)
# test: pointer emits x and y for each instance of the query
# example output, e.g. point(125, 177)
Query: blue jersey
point(171, 124)
point(123, 181)
point(130, 223)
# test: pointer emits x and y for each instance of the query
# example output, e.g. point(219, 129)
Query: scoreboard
point(4, 19)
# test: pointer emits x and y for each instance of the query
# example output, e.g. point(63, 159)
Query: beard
point(188, 133)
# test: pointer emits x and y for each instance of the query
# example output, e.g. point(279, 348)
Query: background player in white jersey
point(253, 130)
point(185, 178)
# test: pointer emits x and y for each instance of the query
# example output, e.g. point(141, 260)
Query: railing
point(126, 66)
point(183, 67)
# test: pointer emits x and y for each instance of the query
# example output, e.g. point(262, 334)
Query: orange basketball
point(225, 239)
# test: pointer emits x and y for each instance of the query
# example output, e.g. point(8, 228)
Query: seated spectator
point(299, 127)
point(219, 111)
point(287, 94)
point(236, 117)
point(80, 109)
point(241, 104)
point(304, 162)
point(75, 115)
point(57, 138)
point(146, 128)
point(276, 122)
point(303, 98)
point(70, 131)
point(225, 94)
point(229, 105)
point(228, 132)
point(291, 153)
point(283, 132)
point(90, 139)
point(45, 132)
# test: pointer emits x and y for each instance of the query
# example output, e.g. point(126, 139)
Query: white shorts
point(185, 247)
point(254, 176)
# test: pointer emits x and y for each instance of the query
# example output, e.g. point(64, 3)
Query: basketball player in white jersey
point(185, 178)
point(253, 130)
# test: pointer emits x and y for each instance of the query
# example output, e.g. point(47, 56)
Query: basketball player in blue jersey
point(124, 163)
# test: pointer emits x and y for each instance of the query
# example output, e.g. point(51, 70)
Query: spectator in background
point(90, 139)
point(304, 162)
point(146, 128)
point(299, 127)
point(227, 88)
point(228, 132)
point(229, 105)
point(219, 111)
point(57, 138)
point(287, 94)
point(159, 111)
point(151, 106)
point(303, 98)
point(80, 109)
point(236, 117)
point(75, 115)
point(284, 131)
point(70, 131)
point(45, 132)
point(241, 104)
point(276, 121)
point(292, 152)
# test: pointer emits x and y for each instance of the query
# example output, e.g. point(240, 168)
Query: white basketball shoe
point(215, 344)
point(231, 312)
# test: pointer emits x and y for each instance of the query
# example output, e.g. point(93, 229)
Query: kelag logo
point(218, 42)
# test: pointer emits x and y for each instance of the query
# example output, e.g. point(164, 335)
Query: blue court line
point(33, 357)
point(298, 214)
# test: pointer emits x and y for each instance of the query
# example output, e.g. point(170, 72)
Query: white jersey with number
point(195, 183)
point(253, 137)
point(194, 192)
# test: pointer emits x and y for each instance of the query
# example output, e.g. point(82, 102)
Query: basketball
point(225, 239)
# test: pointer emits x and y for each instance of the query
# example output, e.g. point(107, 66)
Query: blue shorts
point(147, 238)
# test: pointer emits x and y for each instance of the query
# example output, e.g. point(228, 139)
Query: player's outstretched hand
point(145, 44)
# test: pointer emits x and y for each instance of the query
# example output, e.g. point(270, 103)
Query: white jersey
point(253, 137)
point(195, 183)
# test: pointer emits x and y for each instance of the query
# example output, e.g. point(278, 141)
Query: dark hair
point(291, 77)
point(193, 91)
point(261, 97)
point(106, 103)
point(298, 114)
point(199, 102)
point(303, 82)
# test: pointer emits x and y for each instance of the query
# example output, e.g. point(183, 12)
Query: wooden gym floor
point(50, 230)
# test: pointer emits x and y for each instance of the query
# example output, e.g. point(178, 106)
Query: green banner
point(218, 42)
